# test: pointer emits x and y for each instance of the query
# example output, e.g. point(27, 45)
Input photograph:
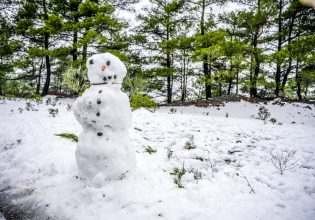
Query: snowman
point(104, 151)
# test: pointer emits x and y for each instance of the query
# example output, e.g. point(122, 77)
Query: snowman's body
point(104, 151)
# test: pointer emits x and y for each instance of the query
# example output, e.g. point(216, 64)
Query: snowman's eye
point(91, 61)
point(108, 62)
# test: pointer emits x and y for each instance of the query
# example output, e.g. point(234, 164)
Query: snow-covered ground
point(228, 173)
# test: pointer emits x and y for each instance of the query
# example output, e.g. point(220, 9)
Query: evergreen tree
point(255, 21)
point(160, 24)
point(36, 23)
point(205, 22)
point(8, 48)
point(298, 52)
point(210, 45)
point(91, 24)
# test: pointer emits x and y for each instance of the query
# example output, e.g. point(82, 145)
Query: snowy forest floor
point(223, 157)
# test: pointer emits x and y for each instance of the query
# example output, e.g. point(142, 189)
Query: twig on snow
point(250, 186)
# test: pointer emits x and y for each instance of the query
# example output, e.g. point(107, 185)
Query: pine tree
point(36, 23)
point(298, 52)
point(210, 45)
point(91, 24)
point(160, 24)
point(255, 21)
point(236, 48)
point(8, 48)
point(205, 22)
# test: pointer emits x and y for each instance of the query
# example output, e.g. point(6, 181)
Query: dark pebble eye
point(98, 114)
point(99, 133)
point(115, 76)
point(109, 77)
point(108, 62)
point(91, 61)
point(104, 78)
point(98, 101)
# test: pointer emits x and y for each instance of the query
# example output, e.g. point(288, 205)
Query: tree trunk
point(169, 87)
point(47, 58)
point(254, 77)
point(205, 57)
point(74, 51)
point(168, 65)
point(84, 55)
point(230, 80)
point(183, 96)
point(207, 78)
point(237, 82)
point(253, 89)
point(278, 70)
point(289, 68)
point(298, 83)
point(230, 86)
point(74, 45)
point(39, 77)
point(251, 75)
point(285, 76)
point(306, 91)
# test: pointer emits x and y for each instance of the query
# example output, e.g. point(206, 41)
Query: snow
point(113, 108)
point(39, 168)
point(104, 152)
point(105, 68)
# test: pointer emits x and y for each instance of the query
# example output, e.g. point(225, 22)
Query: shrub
point(48, 101)
point(283, 160)
point(169, 153)
point(263, 113)
point(68, 107)
point(173, 110)
point(273, 120)
point(28, 106)
point(190, 144)
point(178, 173)
point(71, 79)
point(197, 175)
point(135, 85)
point(53, 111)
point(142, 101)
point(150, 150)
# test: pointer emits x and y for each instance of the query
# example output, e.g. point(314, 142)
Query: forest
point(157, 109)
point(176, 51)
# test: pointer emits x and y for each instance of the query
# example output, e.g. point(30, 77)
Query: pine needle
point(73, 137)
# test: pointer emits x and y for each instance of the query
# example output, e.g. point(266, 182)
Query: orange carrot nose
point(103, 68)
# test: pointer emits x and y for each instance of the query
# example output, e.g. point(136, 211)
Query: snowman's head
point(105, 68)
